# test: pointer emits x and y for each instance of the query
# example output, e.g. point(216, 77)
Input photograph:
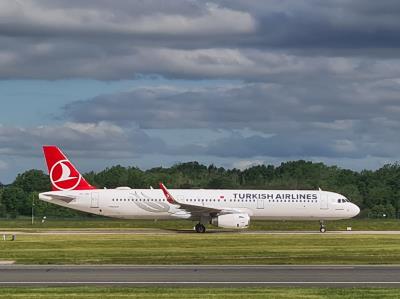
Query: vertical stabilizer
point(63, 174)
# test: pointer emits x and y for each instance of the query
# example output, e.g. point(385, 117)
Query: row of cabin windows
point(124, 199)
point(187, 200)
point(230, 200)
point(293, 200)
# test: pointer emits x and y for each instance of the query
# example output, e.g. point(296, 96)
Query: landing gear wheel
point(322, 227)
point(200, 228)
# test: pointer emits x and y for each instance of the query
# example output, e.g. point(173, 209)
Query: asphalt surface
point(323, 276)
point(188, 231)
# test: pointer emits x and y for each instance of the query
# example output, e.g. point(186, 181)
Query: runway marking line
point(199, 282)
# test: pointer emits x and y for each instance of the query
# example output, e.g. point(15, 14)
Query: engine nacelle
point(238, 220)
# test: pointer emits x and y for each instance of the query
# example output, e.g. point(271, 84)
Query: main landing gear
point(200, 228)
point(322, 227)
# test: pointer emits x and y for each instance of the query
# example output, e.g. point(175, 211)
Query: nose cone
point(355, 210)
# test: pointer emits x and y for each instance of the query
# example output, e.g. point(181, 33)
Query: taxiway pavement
point(187, 231)
point(323, 276)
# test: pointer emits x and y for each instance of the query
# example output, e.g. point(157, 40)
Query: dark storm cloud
point(322, 25)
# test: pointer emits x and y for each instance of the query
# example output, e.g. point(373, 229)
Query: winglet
point(168, 195)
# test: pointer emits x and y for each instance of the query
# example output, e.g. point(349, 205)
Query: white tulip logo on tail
point(64, 177)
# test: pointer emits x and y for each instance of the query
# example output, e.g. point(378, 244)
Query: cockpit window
point(342, 200)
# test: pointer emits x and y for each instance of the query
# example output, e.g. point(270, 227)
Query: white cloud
point(3, 165)
point(244, 164)
point(34, 16)
point(101, 139)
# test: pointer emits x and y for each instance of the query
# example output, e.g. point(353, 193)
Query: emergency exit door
point(323, 197)
point(260, 203)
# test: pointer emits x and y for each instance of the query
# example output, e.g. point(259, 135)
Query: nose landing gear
point(200, 228)
point(322, 227)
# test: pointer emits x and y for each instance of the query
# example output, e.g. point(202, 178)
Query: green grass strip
point(188, 292)
point(106, 223)
point(222, 248)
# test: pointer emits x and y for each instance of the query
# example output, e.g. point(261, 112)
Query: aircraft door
point(260, 203)
point(323, 197)
point(94, 203)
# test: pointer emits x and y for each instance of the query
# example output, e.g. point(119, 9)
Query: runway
point(323, 276)
point(187, 231)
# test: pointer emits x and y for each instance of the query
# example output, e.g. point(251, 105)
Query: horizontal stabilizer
point(64, 198)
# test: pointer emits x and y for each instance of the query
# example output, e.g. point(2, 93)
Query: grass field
point(179, 292)
point(105, 223)
point(191, 248)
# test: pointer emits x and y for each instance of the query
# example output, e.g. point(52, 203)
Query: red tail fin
point(63, 175)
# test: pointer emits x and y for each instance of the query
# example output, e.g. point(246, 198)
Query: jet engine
point(237, 220)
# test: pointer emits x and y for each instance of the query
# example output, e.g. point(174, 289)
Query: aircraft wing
point(195, 210)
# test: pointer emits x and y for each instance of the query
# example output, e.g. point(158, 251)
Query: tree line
point(376, 192)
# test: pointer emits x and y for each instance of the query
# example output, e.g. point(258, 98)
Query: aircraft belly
point(294, 212)
point(143, 217)
point(138, 211)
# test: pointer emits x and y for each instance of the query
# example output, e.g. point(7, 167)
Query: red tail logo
point(63, 175)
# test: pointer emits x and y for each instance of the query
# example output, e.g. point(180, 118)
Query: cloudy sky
point(234, 83)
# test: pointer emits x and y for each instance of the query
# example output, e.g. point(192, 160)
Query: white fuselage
point(258, 204)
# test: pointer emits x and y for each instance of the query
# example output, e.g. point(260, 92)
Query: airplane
point(231, 209)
